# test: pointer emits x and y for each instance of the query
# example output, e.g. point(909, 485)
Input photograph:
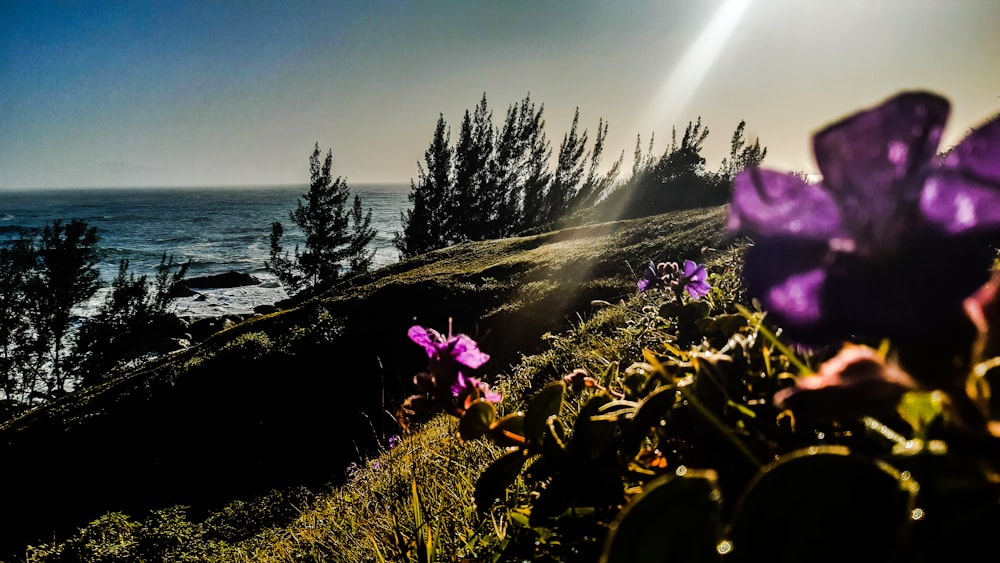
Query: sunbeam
point(689, 72)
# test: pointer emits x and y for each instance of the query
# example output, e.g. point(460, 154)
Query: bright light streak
point(689, 72)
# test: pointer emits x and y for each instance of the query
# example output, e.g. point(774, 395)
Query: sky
point(238, 92)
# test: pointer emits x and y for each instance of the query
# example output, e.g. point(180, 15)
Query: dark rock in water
point(168, 326)
point(182, 291)
point(218, 281)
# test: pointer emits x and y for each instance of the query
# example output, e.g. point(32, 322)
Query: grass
point(413, 502)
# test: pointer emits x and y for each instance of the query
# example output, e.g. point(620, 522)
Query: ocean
point(219, 229)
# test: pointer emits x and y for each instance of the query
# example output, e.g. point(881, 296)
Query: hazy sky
point(207, 92)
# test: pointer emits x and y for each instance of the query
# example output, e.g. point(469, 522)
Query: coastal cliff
point(291, 398)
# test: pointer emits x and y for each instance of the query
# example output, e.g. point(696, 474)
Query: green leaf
point(647, 415)
point(592, 437)
point(476, 420)
point(495, 479)
point(823, 504)
point(543, 404)
point(554, 439)
point(674, 518)
point(722, 325)
point(957, 500)
point(508, 431)
point(920, 408)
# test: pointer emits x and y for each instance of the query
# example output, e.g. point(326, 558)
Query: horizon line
point(189, 186)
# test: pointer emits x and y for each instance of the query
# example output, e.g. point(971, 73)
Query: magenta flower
point(854, 256)
point(449, 361)
point(448, 354)
point(695, 279)
point(465, 386)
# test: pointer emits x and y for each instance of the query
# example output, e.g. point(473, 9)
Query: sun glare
point(689, 72)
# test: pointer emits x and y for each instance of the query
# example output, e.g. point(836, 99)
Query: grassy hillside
point(293, 398)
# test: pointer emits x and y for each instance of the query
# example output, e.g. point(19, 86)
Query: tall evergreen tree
point(569, 171)
point(597, 185)
point(324, 219)
point(473, 203)
point(426, 223)
point(359, 254)
point(16, 262)
point(506, 175)
point(64, 276)
point(741, 154)
point(538, 175)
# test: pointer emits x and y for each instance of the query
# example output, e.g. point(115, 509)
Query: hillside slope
point(292, 398)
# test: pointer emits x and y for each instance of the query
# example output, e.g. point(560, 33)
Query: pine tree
point(124, 328)
point(16, 261)
point(64, 276)
point(469, 211)
point(741, 155)
point(426, 225)
point(359, 254)
point(569, 172)
point(325, 222)
point(506, 166)
point(597, 185)
point(538, 176)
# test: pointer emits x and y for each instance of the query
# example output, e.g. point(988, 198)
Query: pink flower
point(450, 359)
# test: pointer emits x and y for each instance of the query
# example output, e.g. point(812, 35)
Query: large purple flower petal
point(873, 163)
point(977, 153)
point(861, 262)
point(960, 205)
point(788, 276)
point(963, 196)
point(420, 336)
point(775, 204)
point(465, 351)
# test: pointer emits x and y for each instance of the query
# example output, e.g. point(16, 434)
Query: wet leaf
point(508, 431)
point(920, 408)
point(476, 420)
point(543, 404)
point(722, 325)
point(822, 504)
point(592, 437)
point(647, 415)
point(957, 503)
point(674, 518)
point(494, 480)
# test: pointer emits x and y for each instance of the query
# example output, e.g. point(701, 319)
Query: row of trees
point(678, 178)
point(495, 182)
point(44, 349)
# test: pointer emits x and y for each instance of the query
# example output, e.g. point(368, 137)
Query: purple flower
point(394, 441)
point(448, 355)
point(449, 361)
point(466, 386)
point(855, 255)
point(650, 278)
point(695, 279)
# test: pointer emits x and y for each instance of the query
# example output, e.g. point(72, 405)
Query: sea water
point(217, 229)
